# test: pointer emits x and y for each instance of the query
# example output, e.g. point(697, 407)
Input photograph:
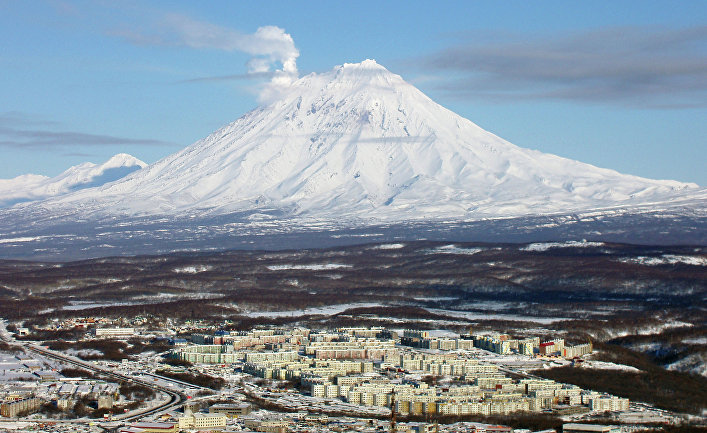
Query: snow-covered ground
point(192, 269)
point(667, 259)
point(22, 239)
point(83, 352)
point(603, 365)
point(326, 310)
point(312, 267)
point(435, 298)
point(694, 363)
point(544, 246)
point(484, 316)
point(138, 300)
point(388, 247)
point(453, 249)
point(648, 329)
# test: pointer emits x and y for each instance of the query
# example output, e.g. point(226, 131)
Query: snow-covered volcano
point(359, 142)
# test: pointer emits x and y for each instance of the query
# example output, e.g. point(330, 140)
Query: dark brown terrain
point(608, 292)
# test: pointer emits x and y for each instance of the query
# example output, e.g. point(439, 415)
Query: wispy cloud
point(79, 154)
point(646, 67)
point(21, 130)
point(234, 77)
point(273, 50)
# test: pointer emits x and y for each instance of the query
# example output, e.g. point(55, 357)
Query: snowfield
point(314, 267)
point(544, 246)
point(23, 239)
point(193, 269)
point(453, 249)
point(667, 259)
point(388, 247)
point(603, 365)
point(694, 363)
point(327, 310)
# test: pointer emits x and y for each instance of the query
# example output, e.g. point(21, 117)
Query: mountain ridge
point(34, 187)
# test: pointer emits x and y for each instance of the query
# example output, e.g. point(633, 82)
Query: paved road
point(176, 398)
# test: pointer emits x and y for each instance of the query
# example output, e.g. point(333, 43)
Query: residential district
point(296, 379)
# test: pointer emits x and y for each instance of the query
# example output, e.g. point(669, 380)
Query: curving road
point(176, 398)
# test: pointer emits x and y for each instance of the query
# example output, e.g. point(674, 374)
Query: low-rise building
point(589, 428)
point(115, 332)
point(203, 421)
point(231, 410)
point(152, 427)
point(268, 425)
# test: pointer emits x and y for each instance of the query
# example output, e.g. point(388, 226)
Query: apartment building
point(25, 405)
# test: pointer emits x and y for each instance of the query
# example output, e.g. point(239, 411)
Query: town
point(195, 377)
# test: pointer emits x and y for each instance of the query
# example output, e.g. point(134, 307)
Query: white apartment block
point(115, 332)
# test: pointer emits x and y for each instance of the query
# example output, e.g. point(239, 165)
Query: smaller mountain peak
point(123, 160)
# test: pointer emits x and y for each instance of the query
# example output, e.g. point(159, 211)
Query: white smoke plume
point(273, 49)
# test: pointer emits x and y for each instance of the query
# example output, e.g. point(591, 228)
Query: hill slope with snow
point(32, 187)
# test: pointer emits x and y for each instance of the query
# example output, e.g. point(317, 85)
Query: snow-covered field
point(694, 363)
point(667, 259)
point(326, 310)
point(484, 316)
point(312, 267)
point(603, 365)
point(544, 246)
point(193, 269)
point(453, 249)
point(22, 239)
point(388, 247)
point(83, 352)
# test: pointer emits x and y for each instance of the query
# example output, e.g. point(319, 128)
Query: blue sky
point(621, 85)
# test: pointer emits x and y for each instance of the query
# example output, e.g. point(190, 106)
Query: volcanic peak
point(358, 142)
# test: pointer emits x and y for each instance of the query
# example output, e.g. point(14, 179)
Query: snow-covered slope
point(31, 187)
point(359, 143)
